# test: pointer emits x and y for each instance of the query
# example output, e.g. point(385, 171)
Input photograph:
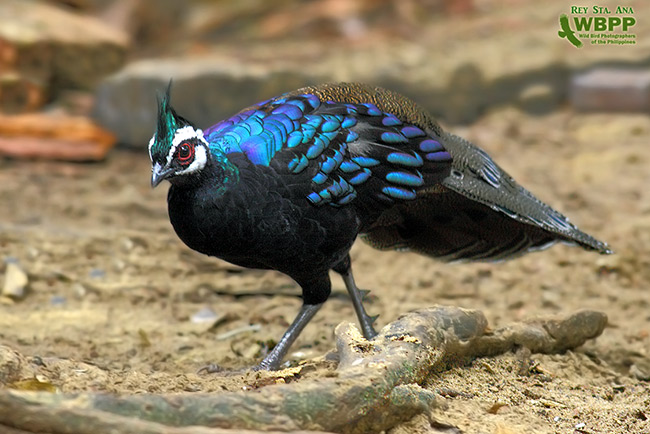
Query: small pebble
point(58, 300)
point(79, 290)
point(118, 265)
point(15, 281)
point(580, 425)
point(204, 315)
point(127, 244)
point(97, 273)
point(42, 378)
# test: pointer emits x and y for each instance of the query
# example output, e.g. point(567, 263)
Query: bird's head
point(177, 148)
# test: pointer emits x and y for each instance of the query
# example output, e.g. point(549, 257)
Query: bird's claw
point(364, 293)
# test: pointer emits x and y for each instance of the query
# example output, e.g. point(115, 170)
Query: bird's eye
point(185, 152)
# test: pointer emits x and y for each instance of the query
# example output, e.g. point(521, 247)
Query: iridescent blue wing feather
point(350, 151)
point(397, 159)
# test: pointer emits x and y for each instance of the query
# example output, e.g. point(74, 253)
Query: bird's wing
point(345, 152)
point(375, 160)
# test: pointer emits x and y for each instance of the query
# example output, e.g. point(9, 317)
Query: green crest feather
point(167, 124)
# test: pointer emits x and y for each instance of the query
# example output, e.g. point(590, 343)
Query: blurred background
point(91, 269)
point(105, 60)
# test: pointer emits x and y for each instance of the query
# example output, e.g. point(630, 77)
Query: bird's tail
point(478, 213)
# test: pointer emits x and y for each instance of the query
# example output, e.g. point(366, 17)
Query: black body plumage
point(289, 183)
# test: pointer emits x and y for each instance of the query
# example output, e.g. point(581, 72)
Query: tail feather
point(477, 177)
point(450, 227)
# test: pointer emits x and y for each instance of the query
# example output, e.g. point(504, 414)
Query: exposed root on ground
point(376, 386)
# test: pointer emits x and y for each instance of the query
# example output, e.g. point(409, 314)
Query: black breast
point(262, 221)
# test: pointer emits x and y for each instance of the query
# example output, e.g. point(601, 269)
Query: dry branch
point(376, 386)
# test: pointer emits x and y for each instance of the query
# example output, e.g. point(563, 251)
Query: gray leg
point(366, 321)
point(273, 360)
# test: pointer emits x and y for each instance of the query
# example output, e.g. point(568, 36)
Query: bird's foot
point(272, 362)
point(367, 328)
point(262, 367)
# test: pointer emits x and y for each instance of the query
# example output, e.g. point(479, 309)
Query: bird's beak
point(159, 174)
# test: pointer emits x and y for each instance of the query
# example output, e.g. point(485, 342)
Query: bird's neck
point(219, 166)
point(218, 175)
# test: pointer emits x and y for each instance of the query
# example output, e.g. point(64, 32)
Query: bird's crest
point(168, 122)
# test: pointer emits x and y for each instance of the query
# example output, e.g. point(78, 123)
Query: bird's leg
point(345, 270)
point(272, 361)
point(357, 296)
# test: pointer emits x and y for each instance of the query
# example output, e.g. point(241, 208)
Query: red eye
point(185, 152)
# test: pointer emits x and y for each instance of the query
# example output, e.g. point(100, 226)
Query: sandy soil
point(113, 294)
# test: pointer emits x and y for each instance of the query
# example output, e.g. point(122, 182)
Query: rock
point(214, 86)
point(59, 137)
point(609, 89)
point(449, 71)
point(15, 281)
point(47, 44)
point(153, 24)
point(205, 90)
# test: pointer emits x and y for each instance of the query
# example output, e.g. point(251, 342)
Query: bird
point(290, 183)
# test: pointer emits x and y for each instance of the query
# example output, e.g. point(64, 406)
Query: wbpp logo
point(602, 27)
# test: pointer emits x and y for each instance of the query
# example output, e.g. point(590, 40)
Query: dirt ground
point(117, 303)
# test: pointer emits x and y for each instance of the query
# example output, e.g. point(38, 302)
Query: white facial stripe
point(200, 150)
point(151, 142)
point(183, 134)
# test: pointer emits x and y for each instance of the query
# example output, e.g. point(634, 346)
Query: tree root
point(376, 384)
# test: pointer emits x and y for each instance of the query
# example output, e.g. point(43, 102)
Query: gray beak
point(159, 174)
